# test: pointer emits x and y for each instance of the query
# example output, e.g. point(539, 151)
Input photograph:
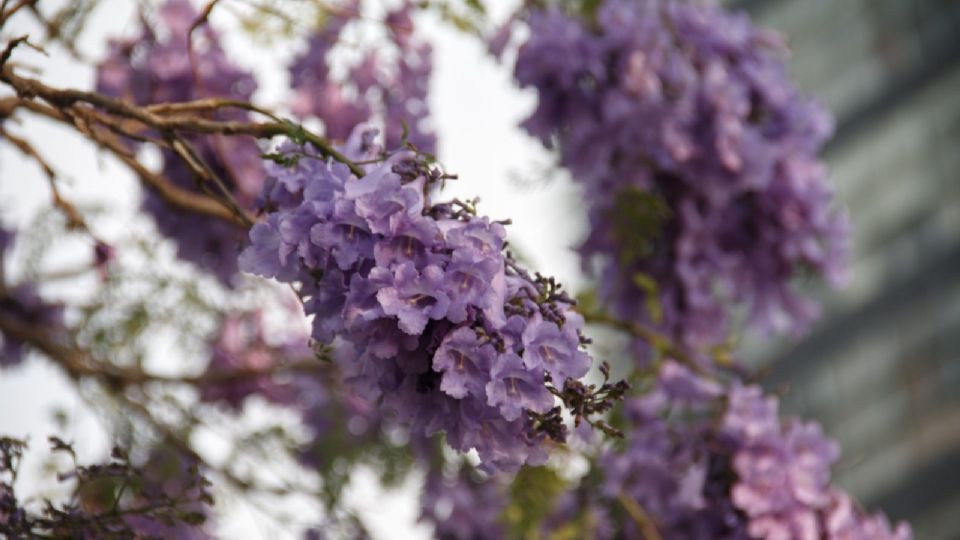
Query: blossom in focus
point(418, 300)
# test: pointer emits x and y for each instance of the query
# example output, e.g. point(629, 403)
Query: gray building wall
point(881, 369)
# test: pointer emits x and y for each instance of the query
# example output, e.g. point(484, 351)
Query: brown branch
point(54, 32)
point(647, 527)
point(202, 170)
point(122, 127)
point(6, 13)
point(60, 98)
point(74, 218)
point(8, 50)
point(66, 99)
point(207, 104)
point(172, 194)
point(167, 190)
point(203, 17)
point(654, 339)
point(80, 363)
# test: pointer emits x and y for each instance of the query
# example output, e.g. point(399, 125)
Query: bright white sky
point(476, 109)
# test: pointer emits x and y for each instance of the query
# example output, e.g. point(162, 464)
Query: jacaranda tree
point(333, 280)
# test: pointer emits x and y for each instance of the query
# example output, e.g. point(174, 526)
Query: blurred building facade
point(881, 369)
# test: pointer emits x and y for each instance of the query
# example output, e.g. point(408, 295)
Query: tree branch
point(172, 194)
point(28, 88)
point(658, 342)
point(640, 516)
point(74, 219)
point(6, 13)
point(80, 363)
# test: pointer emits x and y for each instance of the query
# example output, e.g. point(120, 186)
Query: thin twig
point(647, 528)
point(172, 194)
point(80, 363)
point(208, 104)
point(6, 13)
point(60, 98)
point(654, 339)
point(74, 218)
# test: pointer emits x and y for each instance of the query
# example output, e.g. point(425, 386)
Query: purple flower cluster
point(419, 301)
point(668, 466)
point(240, 348)
point(704, 462)
point(462, 508)
point(388, 86)
point(22, 306)
point(243, 363)
point(341, 422)
point(579, 511)
point(697, 156)
point(783, 477)
point(158, 67)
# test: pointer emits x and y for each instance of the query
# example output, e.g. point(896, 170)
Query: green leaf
point(638, 218)
point(652, 295)
point(588, 301)
point(532, 497)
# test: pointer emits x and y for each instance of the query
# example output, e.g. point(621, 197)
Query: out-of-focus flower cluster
point(159, 66)
point(697, 158)
point(462, 508)
point(387, 86)
point(22, 306)
point(702, 462)
point(240, 349)
point(246, 360)
point(419, 300)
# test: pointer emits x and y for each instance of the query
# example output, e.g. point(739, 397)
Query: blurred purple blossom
point(387, 86)
point(157, 67)
point(697, 159)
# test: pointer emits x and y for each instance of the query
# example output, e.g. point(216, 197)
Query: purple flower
point(549, 348)
point(346, 236)
point(240, 346)
point(845, 521)
point(411, 240)
point(514, 388)
point(465, 363)
point(415, 297)
point(750, 414)
point(681, 384)
point(266, 256)
point(469, 282)
point(325, 299)
point(384, 202)
point(477, 239)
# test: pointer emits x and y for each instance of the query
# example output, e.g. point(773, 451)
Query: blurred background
point(881, 370)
